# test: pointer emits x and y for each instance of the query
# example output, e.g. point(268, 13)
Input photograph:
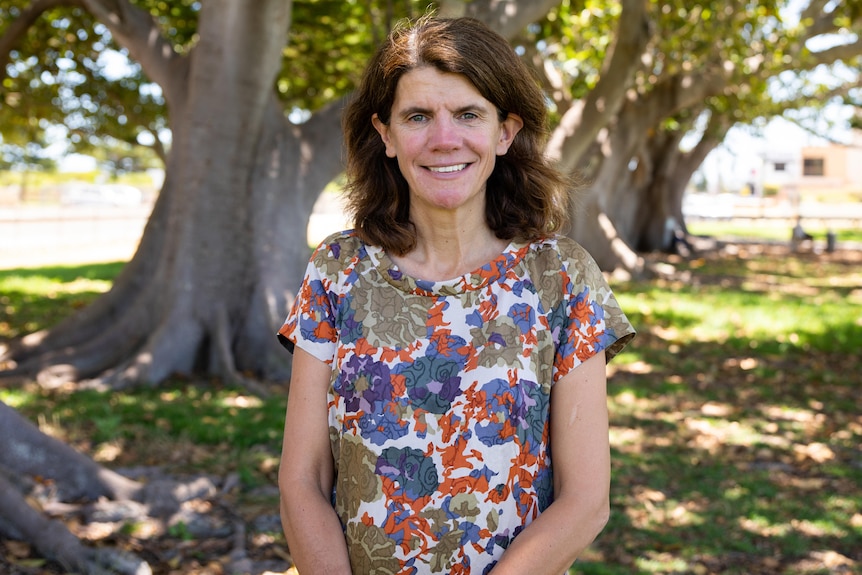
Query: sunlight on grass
point(712, 433)
point(32, 299)
point(764, 527)
point(766, 230)
point(51, 287)
point(655, 562)
point(14, 398)
point(224, 418)
point(755, 318)
point(735, 417)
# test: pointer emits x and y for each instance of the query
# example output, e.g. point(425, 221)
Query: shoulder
point(567, 248)
point(562, 253)
point(344, 239)
point(339, 254)
point(341, 246)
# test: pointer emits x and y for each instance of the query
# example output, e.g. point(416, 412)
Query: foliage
point(69, 72)
point(330, 43)
point(735, 415)
point(64, 73)
point(762, 59)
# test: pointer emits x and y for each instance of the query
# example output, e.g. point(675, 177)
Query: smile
point(447, 169)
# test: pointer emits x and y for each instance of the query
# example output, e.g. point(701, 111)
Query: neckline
point(471, 281)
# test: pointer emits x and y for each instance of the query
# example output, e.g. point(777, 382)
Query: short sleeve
point(593, 320)
point(311, 321)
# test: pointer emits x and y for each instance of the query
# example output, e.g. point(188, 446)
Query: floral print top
point(439, 397)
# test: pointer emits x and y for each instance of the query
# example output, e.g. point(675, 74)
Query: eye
point(417, 118)
point(469, 116)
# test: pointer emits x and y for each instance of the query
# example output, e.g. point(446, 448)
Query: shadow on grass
point(736, 447)
point(735, 415)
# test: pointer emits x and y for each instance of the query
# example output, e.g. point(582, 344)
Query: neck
point(448, 248)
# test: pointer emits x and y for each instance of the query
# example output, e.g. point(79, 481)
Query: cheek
point(406, 149)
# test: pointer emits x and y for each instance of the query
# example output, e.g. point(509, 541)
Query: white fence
point(734, 207)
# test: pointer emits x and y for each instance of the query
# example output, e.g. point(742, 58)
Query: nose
point(444, 134)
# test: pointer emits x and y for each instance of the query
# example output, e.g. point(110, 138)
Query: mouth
point(448, 169)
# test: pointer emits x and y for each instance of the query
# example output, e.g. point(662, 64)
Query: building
point(835, 166)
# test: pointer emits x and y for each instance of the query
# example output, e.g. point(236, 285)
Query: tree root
point(51, 538)
point(69, 484)
point(222, 357)
point(628, 258)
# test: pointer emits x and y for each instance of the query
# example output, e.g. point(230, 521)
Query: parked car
point(102, 195)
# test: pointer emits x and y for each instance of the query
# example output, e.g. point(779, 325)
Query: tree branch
point(508, 17)
point(836, 53)
point(814, 10)
point(138, 32)
point(603, 102)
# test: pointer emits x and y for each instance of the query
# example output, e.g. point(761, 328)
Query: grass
point(767, 230)
point(735, 420)
point(735, 415)
point(205, 425)
point(33, 299)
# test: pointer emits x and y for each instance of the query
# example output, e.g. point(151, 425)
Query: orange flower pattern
point(439, 397)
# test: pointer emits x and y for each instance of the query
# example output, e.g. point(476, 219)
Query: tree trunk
point(661, 218)
point(28, 451)
point(582, 123)
point(620, 205)
point(25, 451)
point(226, 242)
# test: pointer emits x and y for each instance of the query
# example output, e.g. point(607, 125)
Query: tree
point(27, 452)
point(225, 244)
point(23, 145)
point(717, 69)
point(226, 240)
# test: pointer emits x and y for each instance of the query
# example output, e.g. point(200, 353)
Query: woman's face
point(446, 138)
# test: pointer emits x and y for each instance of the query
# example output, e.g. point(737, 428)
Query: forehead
point(428, 85)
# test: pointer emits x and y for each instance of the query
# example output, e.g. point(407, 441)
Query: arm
point(582, 470)
point(311, 526)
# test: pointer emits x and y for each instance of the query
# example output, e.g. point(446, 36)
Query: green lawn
point(767, 230)
point(736, 415)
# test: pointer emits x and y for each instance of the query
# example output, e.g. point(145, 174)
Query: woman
point(448, 341)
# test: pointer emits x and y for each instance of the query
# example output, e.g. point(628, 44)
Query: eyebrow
point(427, 112)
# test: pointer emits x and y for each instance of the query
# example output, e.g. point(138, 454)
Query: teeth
point(447, 169)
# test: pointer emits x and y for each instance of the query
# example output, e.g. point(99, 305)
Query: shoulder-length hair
point(526, 197)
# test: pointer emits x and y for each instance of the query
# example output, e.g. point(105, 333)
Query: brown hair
point(526, 198)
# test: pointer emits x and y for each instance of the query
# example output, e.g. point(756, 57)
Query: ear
point(383, 130)
point(509, 128)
